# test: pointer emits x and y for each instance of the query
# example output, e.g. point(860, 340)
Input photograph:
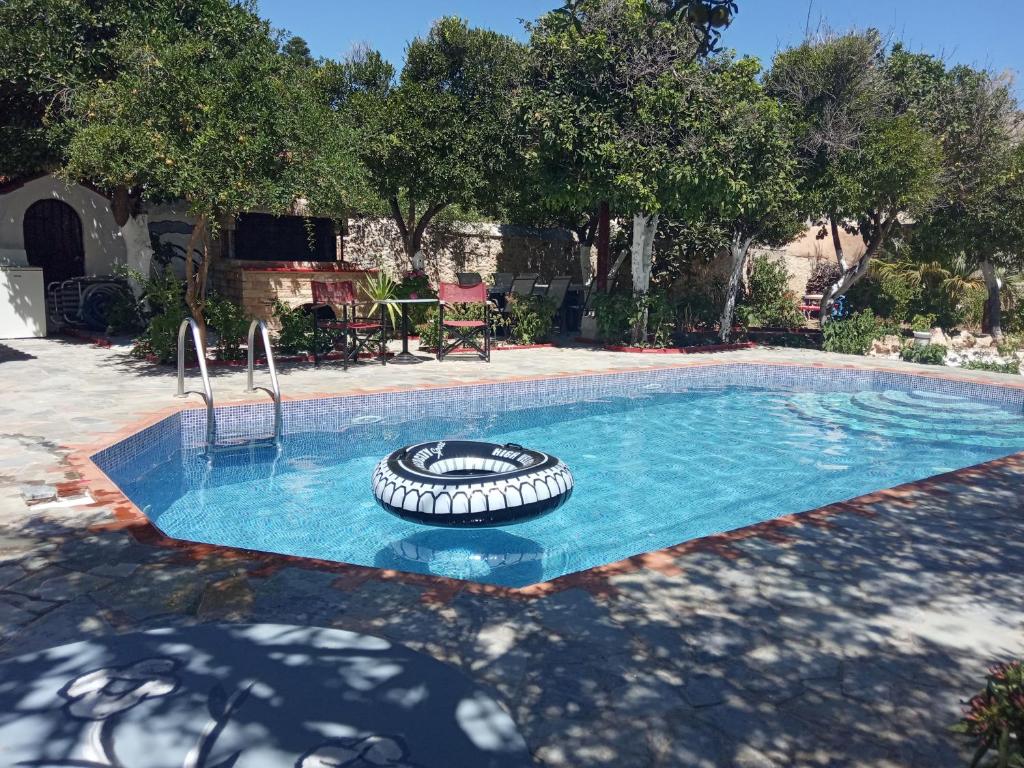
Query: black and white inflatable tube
point(466, 483)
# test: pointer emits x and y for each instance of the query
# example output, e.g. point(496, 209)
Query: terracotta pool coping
point(127, 516)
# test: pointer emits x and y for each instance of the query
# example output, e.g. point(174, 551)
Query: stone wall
point(464, 247)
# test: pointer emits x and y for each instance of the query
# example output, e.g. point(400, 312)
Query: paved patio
point(842, 637)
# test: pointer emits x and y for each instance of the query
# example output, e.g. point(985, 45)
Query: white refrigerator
point(22, 302)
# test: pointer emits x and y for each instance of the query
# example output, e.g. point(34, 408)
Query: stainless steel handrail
point(207, 393)
point(275, 388)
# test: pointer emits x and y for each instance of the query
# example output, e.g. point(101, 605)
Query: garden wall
point(464, 247)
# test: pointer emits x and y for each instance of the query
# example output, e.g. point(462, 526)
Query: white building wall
point(103, 241)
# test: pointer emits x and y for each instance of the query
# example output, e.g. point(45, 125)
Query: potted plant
point(380, 287)
point(921, 325)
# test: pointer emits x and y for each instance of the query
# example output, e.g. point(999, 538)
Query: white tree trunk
point(994, 286)
point(138, 246)
point(738, 249)
point(586, 266)
point(644, 227)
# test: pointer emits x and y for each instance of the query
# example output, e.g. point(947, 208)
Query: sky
point(983, 33)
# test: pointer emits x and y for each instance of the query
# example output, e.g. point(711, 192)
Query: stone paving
point(842, 637)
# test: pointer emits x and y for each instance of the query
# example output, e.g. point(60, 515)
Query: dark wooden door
point(53, 240)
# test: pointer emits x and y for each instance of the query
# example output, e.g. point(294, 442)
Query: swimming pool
point(659, 457)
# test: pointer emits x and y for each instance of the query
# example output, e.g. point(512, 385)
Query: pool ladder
point(189, 324)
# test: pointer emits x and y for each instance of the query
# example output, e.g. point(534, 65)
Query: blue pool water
point(652, 469)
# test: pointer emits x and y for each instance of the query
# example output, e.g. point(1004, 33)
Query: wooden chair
point(360, 331)
point(463, 332)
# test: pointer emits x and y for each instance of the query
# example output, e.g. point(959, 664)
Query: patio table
point(405, 356)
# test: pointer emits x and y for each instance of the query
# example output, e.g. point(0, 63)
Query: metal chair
point(556, 292)
point(464, 332)
point(523, 284)
point(502, 283)
point(361, 331)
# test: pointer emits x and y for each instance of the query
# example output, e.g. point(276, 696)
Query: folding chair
point(469, 279)
point(523, 285)
point(464, 332)
point(361, 331)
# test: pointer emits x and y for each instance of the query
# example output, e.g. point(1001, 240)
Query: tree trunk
point(837, 242)
point(409, 228)
point(994, 310)
point(852, 274)
point(138, 246)
point(738, 249)
point(195, 282)
point(603, 246)
point(585, 251)
point(644, 227)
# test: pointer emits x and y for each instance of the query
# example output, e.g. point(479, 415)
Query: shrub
point(530, 318)
point(416, 285)
point(823, 277)
point(617, 314)
point(853, 335)
point(162, 308)
point(231, 324)
point(929, 354)
point(923, 322)
point(768, 302)
point(296, 331)
point(994, 718)
point(990, 365)
point(888, 294)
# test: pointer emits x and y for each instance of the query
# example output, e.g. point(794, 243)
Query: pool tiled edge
point(301, 413)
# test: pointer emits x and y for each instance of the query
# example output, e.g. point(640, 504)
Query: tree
point(753, 147)
point(978, 216)
point(441, 136)
point(219, 119)
point(613, 109)
point(296, 50)
point(868, 163)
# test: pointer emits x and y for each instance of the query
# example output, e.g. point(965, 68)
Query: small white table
point(405, 356)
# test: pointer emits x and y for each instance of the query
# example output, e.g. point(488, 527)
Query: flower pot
point(922, 338)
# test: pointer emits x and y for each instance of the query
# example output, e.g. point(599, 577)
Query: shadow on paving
point(849, 640)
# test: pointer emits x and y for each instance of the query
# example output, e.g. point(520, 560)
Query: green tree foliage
point(219, 119)
point(296, 49)
point(442, 135)
point(978, 216)
point(869, 163)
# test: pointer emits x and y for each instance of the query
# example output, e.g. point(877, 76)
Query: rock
point(938, 337)
point(984, 342)
point(887, 346)
point(965, 340)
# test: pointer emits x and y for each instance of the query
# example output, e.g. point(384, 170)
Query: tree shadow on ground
point(850, 638)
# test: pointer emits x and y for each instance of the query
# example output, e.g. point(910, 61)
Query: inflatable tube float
point(467, 483)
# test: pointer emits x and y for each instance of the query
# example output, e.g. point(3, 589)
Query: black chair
point(556, 293)
point(469, 279)
point(523, 284)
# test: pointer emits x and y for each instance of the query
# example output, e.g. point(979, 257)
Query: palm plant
point(378, 288)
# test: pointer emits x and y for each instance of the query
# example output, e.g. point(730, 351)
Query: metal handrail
point(275, 390)
point(207, 393)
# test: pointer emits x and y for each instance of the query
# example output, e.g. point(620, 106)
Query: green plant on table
point(416, 285)
point(929, 354)
point(994, 718)
point(380, 287)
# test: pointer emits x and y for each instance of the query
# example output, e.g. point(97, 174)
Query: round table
point(405, 356)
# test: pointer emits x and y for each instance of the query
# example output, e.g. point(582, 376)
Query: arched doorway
point(53, 240)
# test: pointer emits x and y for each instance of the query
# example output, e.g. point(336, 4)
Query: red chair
point(464, 332)
point(360, 331)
